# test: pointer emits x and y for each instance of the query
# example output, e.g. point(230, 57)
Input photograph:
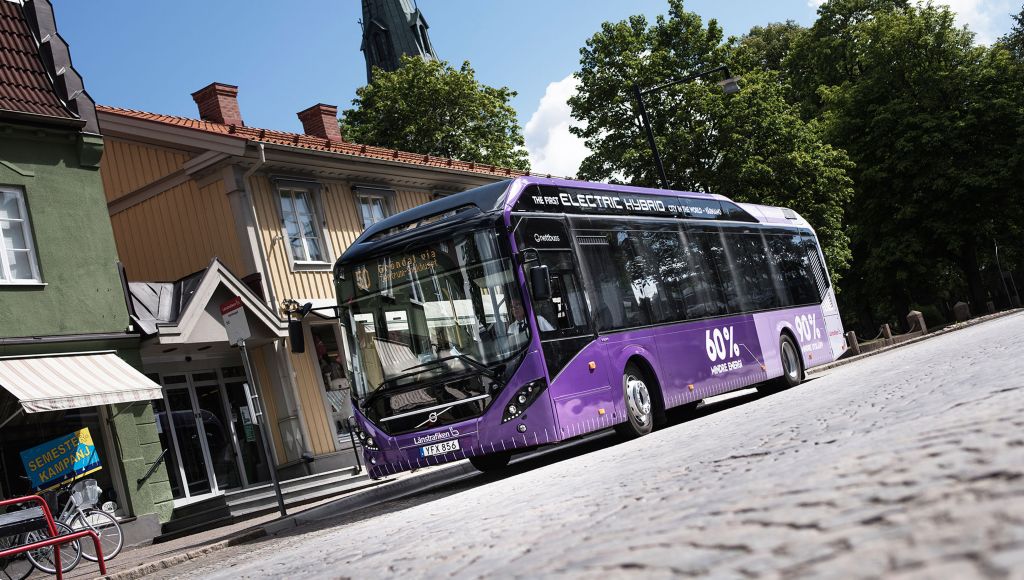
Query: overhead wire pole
point(730, 85)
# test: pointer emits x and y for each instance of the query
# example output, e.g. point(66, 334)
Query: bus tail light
point(525, 397)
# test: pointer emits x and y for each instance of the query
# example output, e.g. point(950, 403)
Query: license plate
point(439, 448)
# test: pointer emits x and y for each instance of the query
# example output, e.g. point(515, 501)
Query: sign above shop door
point(235, 323)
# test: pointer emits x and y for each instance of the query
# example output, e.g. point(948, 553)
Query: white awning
point(73, 381)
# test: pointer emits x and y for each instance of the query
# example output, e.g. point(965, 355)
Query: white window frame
point(312, 201)
point(6, 278)
point(369, 195)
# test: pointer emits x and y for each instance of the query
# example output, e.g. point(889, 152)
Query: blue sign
point(61, 459)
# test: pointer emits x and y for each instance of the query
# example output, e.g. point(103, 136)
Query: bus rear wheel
point(639, 407)
point(792, 363)
point(492, 462)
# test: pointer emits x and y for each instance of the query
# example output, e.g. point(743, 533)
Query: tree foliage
point(884, 123)
point(933, 125)
point(1014, 39)
point(430, 107)
point(752, 146)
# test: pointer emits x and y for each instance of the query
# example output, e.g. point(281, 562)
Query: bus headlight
point(525, 397)
point(366, 440)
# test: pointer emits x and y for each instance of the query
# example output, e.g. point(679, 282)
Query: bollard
point(961, 311)
point(915, 321)
point(852, 343)
point(886, 333)
point(991, 306)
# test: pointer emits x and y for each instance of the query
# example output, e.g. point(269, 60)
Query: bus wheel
point(792, 364)
point(639, 410)
point(492, 462)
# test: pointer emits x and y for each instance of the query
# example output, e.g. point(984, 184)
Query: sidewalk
point(940, 332)
point(142, 561)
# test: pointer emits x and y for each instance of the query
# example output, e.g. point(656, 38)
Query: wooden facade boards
point(169, 223)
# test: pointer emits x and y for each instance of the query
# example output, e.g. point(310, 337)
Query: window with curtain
point(301, 226)
point(372, 208)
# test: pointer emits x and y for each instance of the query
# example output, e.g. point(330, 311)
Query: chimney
point(218, 103)
point(321, 120)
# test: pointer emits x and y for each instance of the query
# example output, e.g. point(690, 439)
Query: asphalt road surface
point(906, 464)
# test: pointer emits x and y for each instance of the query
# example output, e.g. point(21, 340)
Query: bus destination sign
point(589, 201)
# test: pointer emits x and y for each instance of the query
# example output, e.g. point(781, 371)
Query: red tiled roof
point(314, 143)
point(24, 85)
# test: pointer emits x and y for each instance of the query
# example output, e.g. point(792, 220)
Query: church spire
point(392, 28)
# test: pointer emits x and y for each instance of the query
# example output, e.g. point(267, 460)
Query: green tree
point(430, 107)
point(826, 54)
point(931, 121)
point(771, 156)
point(1014, 40)
point(752, 146)
point(765, 48)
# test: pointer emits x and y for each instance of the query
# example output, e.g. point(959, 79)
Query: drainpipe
point(294, 405)
point(271, 297)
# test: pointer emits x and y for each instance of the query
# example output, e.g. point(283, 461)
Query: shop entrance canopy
point(73, 381)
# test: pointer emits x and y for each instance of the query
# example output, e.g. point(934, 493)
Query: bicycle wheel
point(106, 527)
point(43, 558)
point(16, 567)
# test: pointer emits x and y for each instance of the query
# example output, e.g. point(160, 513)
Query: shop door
point(180, 421)
point(198, 418)
point(244, 429)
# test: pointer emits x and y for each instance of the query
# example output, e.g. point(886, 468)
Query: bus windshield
point(446, 307)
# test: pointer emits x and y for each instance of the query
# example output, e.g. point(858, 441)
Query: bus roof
point(503, 195)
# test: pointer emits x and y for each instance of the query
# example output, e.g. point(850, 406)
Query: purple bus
point(532, 311)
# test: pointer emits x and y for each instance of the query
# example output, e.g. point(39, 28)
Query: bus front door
point(576, 362)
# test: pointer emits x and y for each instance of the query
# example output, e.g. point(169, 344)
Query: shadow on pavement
point(522, 464)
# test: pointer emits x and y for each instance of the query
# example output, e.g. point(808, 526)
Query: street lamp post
point(1002, 278)
point(730, 85)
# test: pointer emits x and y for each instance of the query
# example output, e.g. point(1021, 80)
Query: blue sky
point(285, 56)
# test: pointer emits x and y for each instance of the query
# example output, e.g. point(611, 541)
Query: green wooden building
point(68, 354)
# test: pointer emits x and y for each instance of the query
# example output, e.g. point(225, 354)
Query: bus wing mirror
point(296, 337)
point(540, 283)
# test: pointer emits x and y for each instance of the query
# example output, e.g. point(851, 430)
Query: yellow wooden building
point(275, 209)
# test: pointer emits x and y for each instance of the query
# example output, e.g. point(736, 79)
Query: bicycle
point(20, 566)
point(80, 513)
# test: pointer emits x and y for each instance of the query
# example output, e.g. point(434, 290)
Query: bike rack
point(54, 539)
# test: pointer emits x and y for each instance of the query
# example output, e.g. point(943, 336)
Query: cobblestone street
point(905, 464)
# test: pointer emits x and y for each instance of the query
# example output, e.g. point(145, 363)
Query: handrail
point(355, 450)
point(152, 468)
point(54, 539)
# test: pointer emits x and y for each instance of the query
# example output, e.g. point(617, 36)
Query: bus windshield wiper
point(388, 384)
point(458, 356)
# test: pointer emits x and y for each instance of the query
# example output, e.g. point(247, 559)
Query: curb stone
point(940, 332)
point(395, 489)
point(146, 569)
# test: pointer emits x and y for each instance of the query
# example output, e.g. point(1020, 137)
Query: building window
point(301, 226)
point(372, 208)
point(18, 263)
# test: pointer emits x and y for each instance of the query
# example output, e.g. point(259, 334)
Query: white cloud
point(552, 148)
point(988, 19)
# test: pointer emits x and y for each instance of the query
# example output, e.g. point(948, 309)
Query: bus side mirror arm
point(528, 255)
point(540, 283)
